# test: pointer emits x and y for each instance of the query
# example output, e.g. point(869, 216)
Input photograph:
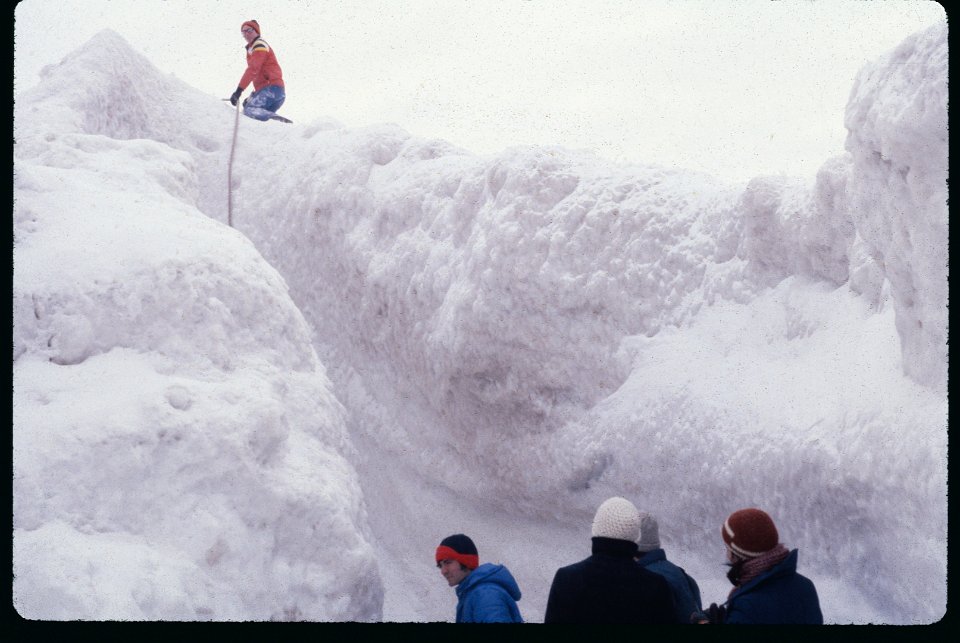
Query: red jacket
point(262, 66)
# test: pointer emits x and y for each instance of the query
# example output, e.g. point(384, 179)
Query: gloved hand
point(716, 614)
point(236, 96)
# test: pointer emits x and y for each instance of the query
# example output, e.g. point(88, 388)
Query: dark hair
point(463, 567)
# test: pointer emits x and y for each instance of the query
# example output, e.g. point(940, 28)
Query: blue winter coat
point(489, 594)
point(778, 596)
point(686, 593)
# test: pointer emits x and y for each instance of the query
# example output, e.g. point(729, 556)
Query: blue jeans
point(264, 102)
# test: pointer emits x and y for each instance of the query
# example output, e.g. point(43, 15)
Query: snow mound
point(178, 452)
point(123, 96)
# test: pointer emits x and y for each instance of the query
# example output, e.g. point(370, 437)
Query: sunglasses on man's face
point(246, 30)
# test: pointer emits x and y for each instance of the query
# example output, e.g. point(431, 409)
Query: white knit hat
point(617, 518)
point(649, 533)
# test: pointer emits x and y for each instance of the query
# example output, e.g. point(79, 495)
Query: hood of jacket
point(490, 573)
point(652, 556)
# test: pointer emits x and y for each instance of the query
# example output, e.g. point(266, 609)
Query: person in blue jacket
point(486, 593)
point(652, 557)
point(766, 586)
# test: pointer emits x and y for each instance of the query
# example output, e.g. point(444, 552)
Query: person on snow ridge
point(486, 593)
point(609, 586)
point(264, 72)
point(686, 593)
point(766, 586)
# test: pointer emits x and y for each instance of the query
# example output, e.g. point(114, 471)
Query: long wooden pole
point(233, 147)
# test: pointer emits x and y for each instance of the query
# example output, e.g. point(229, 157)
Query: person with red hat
point(486, 593)
point(264, 72)
point(766, 586)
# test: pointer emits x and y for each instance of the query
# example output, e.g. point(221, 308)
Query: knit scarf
point(744, 571)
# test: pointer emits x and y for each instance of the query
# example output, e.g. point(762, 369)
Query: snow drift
point(178, 453)
point(522, 335)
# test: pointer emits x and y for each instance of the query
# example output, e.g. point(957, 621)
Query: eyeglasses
point(247, 30)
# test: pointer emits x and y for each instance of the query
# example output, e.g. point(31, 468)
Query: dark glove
point(716, 614)
point(236, 96)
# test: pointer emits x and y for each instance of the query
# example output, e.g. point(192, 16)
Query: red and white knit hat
point(749, 533)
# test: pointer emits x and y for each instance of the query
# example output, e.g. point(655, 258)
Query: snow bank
point(501, 319)
point(793, 403)
point(546, 330)
point(505, 285)
point(897, 135)
point(178, 452)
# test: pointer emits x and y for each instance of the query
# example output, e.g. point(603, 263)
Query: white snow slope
point(400, 340)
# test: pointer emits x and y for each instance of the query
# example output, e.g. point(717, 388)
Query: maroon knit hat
point(749, 533)
point(253, 25)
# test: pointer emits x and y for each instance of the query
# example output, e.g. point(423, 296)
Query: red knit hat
point(749, 533)
point(459, 548)
point(252, 24)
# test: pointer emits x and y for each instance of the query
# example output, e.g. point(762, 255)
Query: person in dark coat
point(609, 586)
point(652, 557)
point(766, 586)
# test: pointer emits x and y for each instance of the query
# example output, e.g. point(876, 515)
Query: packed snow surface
point(398, 340)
